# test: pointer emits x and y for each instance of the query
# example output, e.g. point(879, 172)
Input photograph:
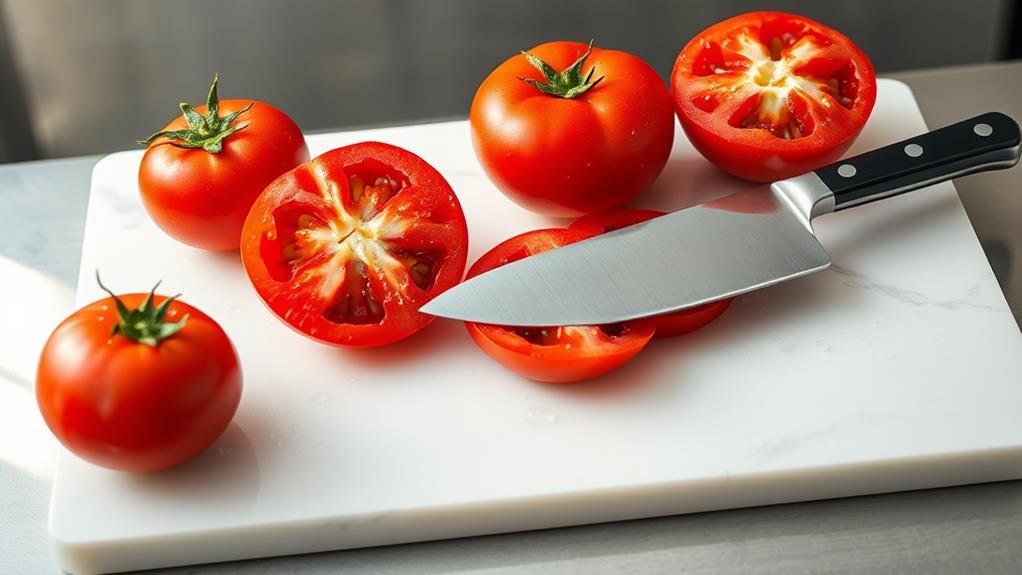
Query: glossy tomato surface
point(668, 324)
point(131, 406)
point(558, 353)
point(347, 247)
point(565, 157)
point(202, 198)
point(769, 95)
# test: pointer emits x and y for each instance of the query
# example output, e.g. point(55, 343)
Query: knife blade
point(734, 245)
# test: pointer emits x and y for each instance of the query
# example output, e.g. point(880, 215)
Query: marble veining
point(859, 280)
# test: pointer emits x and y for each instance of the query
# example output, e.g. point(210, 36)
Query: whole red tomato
point(347, 247)
point(769, 95)
point(669, 324)
point(566, 130)
point(558, 354)
point(138, 382)
point(200, 175)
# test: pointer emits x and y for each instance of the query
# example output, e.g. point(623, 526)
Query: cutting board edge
point(537, 512)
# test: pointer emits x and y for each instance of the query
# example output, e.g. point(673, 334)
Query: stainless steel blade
point(704, 253)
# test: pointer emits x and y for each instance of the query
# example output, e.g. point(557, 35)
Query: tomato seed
point(290, 253)
point(357, 187)
point(537, 336)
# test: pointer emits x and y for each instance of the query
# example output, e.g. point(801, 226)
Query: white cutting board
point(899, 368)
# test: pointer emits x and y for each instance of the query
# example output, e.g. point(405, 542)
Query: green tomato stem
point(207, 132)
point(569, 83)
point(146, 324)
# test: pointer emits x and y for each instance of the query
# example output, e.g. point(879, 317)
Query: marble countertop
point(972, 529)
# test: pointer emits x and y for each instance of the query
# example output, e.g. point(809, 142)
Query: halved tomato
point(558, 353)
point(769, 95)
point(347, 247)
point(668, 324)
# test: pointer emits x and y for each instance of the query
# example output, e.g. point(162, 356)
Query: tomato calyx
point(204, 131)
point(567, 83)
point(145, 324)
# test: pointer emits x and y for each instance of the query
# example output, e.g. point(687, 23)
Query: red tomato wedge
point(669, 324)
point(557, 354)
point(769, 95)
point(347, 247)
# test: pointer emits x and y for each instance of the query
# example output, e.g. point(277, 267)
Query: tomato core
point(346, 244)
point(773, 72)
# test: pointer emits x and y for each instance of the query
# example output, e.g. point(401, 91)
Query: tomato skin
point(576, 353)
point(615, 219)
point(200, 198)
point(669, 324)
point(425, 216)
point(715, 94)
point(567, 157)
point(689, 320)
point(128, 406)
point(556, 364)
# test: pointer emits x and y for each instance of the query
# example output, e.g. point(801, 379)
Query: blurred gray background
point(91, 76)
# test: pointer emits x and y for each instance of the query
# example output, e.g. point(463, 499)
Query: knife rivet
point(846, 170)
point(913, 150)
point(983, 130)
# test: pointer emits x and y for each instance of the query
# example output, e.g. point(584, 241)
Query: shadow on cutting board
point(225, 474)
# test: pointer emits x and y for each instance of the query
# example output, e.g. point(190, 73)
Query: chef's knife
point(722, 248)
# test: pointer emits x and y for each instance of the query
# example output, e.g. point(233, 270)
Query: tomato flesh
point(557, 354)
point(346, 248)
point(769, 95)
point(668, 324)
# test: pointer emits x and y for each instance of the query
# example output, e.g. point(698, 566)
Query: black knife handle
point(987, 142)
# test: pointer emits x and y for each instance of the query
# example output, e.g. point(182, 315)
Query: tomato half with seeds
point(770, 95)
point(557, 354)
point(347, 247)
point(668, 324)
